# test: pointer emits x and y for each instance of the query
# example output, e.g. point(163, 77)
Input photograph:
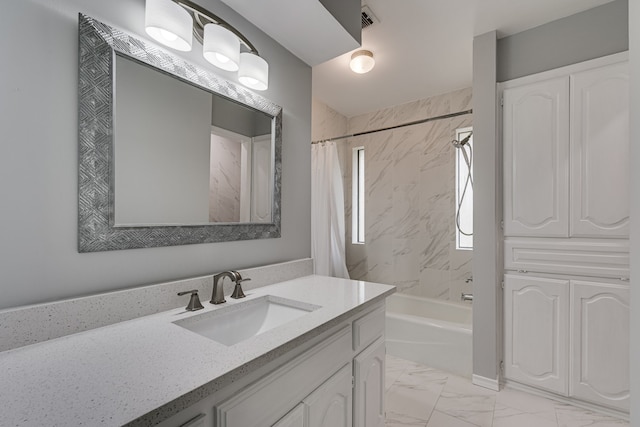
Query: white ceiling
point(423, 48)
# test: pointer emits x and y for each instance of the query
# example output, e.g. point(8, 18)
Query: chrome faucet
point(217, 296)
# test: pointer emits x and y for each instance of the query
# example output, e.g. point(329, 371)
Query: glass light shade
point(168, 23)
point(253, 72)
point(221, 47)
point(362, 61)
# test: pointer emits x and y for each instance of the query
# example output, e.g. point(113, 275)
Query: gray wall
point(587, 35)
point(487, 211)
point(634, 60)
point(162, 139)
point(38, 159)
point(347, 13)
point(559, 43)
point(237, 118)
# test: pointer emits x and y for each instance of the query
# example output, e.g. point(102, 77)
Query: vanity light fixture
point(169, 24)
point(172, 23)
point(362, 61)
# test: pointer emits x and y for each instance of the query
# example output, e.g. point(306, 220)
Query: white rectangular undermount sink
point(238, 322)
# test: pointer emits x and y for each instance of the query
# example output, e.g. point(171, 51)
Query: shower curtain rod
point(416, 122)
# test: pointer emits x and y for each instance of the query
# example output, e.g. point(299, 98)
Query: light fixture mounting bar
point(202, 17)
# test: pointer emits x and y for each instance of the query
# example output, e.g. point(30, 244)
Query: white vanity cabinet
point(295, 418)
point(331, 404)
point(336, 381)
point(369, 396)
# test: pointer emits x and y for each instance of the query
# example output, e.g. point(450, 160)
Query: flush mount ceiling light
point(362, 61)
point(173, 22)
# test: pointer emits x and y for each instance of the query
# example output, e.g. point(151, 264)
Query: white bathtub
point(428, 331)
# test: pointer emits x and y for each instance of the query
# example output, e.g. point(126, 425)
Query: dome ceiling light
point(362, 61)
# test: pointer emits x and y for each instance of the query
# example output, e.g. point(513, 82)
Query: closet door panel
point(600, 152)
point(536, 159)
point(536, 331)
point(600, 343)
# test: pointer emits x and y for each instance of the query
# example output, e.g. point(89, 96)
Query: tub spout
point(466, 297)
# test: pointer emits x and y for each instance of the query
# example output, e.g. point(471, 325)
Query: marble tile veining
point(410, 194)
point(421, 396)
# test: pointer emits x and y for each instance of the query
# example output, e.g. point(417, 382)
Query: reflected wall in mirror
point(169, 153)
point(184, 155)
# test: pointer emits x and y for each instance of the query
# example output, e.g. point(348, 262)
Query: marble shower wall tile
point(410, 196)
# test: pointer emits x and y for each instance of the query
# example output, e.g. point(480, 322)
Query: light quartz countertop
point(147, 369)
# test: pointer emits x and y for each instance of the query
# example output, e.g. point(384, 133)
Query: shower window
point(358, 196)
point(464, 191)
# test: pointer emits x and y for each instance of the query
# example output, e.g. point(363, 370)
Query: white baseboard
point(490, 383)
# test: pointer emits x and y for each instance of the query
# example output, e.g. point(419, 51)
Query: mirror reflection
point(183, 155)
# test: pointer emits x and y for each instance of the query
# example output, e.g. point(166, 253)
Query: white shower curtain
point(327, 212)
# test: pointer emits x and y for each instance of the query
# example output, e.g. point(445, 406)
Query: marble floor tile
point(571, 416)
point(423, 396)
point(413, 394)
point(504, 416)
point(529, 403)
point(439, 419)
point(402, 420)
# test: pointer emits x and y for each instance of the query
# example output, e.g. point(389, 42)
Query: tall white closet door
point(536, 331)
point(600, 152)
point(600, 343)
point(536, 159)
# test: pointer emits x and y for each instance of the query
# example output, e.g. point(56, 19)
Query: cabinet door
point(368, 370)
point(600, 343)
point(536, 332)
point(536, 159)
point(600, 152)
point(330, 404)
point(295, 418)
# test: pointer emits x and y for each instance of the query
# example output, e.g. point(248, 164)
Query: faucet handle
point(194, 301)
point(237, 291)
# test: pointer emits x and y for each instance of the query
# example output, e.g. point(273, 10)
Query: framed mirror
point(169, 153)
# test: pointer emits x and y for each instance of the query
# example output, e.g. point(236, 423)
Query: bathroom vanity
point(320, 364)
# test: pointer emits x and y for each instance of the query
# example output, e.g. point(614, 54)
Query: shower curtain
point(327, 212)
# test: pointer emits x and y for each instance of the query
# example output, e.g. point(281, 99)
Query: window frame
point(463, 243)
point(358, 196)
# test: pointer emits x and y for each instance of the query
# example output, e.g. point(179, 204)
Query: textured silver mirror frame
point(98, 45)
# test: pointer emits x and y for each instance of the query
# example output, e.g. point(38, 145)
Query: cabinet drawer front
point(264, 402)
point(597, 259)
point(368, 328)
